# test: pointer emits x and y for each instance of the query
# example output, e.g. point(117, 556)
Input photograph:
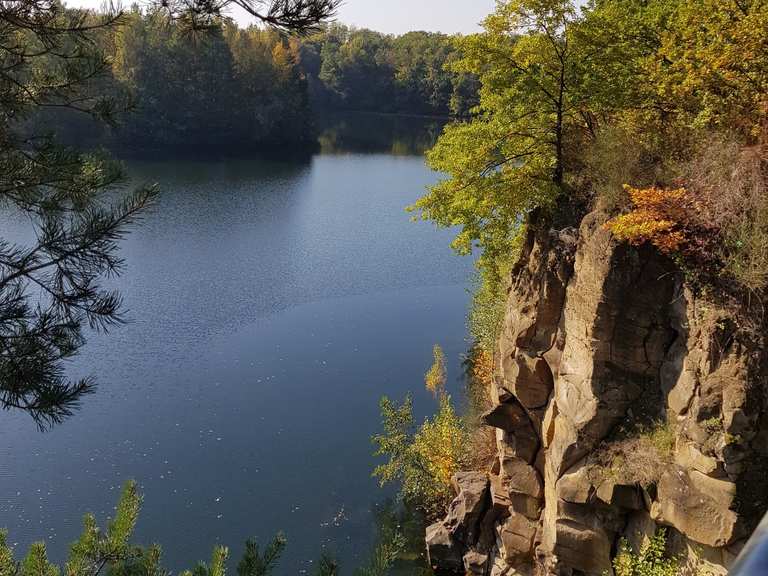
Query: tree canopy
point(577, 102)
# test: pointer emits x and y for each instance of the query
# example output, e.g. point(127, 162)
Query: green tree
point(111, 552)
point(50, 288)
point(370, 71)
point(423, 460)
point(511, 156)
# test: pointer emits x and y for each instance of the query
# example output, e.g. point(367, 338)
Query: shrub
point(649, 561)
point(423, 460)
point(717, 225)
point(658, 216)
point(662, 437)
point(638, 455)
point(732, 182)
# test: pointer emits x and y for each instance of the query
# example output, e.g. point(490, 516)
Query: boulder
point(626, 496)
point(529, 378)
point(469, 506)
point(582, 548)
point(520, 477)
point(517, 536)
point(575, 485)
point(443, 553)
point(475, 563)
point(689, 456)
point(698, 506)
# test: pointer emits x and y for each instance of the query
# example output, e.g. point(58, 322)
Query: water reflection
point(378, 133)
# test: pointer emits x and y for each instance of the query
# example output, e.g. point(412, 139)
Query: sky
point(393, 16)
point(398, 16)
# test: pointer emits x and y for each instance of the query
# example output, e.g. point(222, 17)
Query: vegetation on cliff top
point(577, 102)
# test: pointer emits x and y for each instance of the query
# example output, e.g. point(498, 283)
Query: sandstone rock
point(528, 506)
point(599, 338)
point(517, 536)
point(500, 499)
point(529, 378)
point(581, 548)
point(548, 424)
point(698, 506)
point(521, 477)
point(509, 416)
point(443, 553)
point(620, 495)
point(523, 444)
point(575, 485)
point(698, 559)
point(467, 509)
point(690, 457)
point(475, 563)
point(616, 338)
point(681, 395)
point(539, 291)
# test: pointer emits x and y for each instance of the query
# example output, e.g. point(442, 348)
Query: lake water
point(271, 304)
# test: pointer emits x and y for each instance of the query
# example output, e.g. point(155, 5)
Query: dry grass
point(638, 457)
point(479, 372)
point(482, 446)
point(731, 182)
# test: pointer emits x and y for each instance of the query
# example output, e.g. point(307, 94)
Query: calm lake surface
point(271, 305)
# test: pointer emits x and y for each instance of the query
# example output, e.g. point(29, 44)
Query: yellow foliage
point(658, 216)
point(440, 446)
point(481, 367)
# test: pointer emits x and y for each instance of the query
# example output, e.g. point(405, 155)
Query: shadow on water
point(378, 134)
point(336, 133)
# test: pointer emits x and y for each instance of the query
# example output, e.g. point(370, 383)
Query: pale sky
point(394, 16)
point(398, 16)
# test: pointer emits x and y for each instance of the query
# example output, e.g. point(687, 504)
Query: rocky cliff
point(624, 401)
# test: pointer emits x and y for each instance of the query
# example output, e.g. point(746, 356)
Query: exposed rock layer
point(623, 403)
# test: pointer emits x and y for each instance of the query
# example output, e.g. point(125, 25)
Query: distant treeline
point(232, 88)
point(362, 70)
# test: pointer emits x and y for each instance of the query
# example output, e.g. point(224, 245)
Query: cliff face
point(623, 403)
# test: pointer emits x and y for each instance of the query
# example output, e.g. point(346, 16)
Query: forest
point(234, 88)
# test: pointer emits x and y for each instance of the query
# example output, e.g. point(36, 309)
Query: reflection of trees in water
point(377, 133)
point(393, 518)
